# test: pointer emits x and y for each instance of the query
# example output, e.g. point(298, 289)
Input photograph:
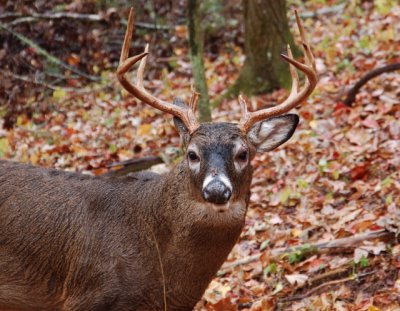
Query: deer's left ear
point(180, 126)
point(269, 134)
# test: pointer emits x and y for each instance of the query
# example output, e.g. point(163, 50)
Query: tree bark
point(266, 36)
point(196, 43)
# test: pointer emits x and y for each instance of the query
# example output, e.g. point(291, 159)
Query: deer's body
point(75, 242)
point(70, 242)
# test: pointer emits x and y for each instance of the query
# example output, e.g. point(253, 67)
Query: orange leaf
point(224, 305)
point(73, 59)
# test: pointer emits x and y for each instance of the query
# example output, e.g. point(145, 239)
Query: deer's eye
point(242, 155)
point(193, 157)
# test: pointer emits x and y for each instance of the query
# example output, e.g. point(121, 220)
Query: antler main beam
point(186, 114)
point(295, 97)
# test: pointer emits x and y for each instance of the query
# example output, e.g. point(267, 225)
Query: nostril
point(227, 194)
point(217, 193)
point(206, 194)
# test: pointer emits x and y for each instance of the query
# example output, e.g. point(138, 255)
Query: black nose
point(217, 192)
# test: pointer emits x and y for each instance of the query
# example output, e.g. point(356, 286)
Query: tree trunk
point(196, 43)
point(266, 36)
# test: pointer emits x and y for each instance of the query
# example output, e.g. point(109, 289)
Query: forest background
point(337, 180)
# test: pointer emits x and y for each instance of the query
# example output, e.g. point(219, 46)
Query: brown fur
point(75, 242)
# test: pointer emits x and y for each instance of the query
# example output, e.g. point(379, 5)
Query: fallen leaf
point(299, 279)
point(360, 253)
point(358, 172)
point(144, 129)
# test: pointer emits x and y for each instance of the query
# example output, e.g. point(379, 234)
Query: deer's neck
point(199, 238)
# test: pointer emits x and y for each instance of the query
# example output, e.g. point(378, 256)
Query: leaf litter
point(337, 177)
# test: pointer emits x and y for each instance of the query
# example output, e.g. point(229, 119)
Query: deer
point(74, 242)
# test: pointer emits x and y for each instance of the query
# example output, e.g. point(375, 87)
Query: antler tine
point(306, 47)
point(128, 37)
point(243, 104)
point(294, 75)
point(295, 97)
point(140, 71)
point(186, 114)
point(300, 26)
point(194, 98)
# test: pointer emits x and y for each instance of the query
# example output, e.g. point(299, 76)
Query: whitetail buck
point(143, 242)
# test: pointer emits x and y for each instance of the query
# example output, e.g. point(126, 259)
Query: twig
point(324, 11)
point(329, 274)
point(334, 282)
point(71, 15)
point(27, 19)
point(149, 26)
point(344, 242)
point(28, 80)
point(57, 15)
point(326, 275)
point(53, 87)
point(44, 53)
point(351, 94)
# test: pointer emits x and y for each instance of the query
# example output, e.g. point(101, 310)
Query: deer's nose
point(217, 192)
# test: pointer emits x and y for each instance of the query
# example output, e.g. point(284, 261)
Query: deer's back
point(62, 235)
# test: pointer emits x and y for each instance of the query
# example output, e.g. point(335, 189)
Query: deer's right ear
point(180, 126)
point(269, 134)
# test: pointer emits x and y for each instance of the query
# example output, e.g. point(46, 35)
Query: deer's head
point(218, 155)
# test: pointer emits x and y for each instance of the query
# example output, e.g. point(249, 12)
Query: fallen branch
point(318, 279)
point(57, 15)
point(344, 242)
point(71, 15)
point(32, 80)
point(91, 17)
point(329, 274)
point(334, 282)
point(350, 278)
point(324, 11)
point(149, 26)
point(44, 53)
point(329, 283)
point(28, 79)
point(351, 94)
point(133, 165)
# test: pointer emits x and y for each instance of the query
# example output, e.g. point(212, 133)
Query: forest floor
point(337, 178)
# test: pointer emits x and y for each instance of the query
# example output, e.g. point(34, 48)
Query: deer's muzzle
point(217, 192)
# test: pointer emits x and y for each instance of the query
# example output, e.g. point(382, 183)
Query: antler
point(186, 114)
point(295, 97)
